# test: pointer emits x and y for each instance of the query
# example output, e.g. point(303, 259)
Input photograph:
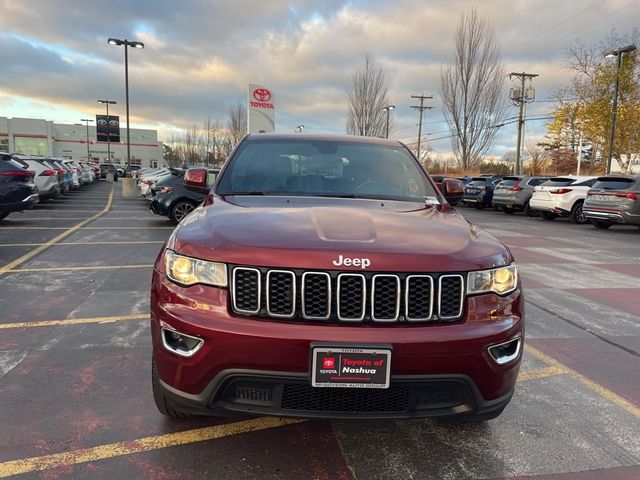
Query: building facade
point(48, 139)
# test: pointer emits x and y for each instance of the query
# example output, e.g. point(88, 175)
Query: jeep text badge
point(348, 262)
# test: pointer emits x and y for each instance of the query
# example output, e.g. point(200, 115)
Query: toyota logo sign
point(262, 94)
point(102, 121)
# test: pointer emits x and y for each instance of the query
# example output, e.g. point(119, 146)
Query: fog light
point(506, 352)
point(180, 343)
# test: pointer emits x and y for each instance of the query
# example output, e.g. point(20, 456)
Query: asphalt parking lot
point(75, 361)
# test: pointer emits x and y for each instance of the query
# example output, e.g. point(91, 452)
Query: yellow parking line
point(96, 267)
point(74, 321)
point(9, 266)
point(540, 373)
point(587, 382)
point(123, 242)
point(84, 455)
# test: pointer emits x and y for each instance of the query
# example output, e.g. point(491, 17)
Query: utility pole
point(421, 108)
point(520, 97)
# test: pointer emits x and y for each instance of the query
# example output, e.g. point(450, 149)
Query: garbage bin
point(129, 188)
point(110, 177)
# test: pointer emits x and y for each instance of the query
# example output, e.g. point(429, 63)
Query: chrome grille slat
point(347, 286)
point(314, 304)
point(421, 285)
point(385, 297)
point(281, 293)
point(346, 297)
point(449, 304)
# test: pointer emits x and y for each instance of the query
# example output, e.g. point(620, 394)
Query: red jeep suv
point(326, 276)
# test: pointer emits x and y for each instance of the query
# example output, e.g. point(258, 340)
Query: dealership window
point(31, 146)
point(136, 161)
point(4, 143)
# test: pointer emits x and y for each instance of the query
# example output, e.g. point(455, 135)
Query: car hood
point(320, 233)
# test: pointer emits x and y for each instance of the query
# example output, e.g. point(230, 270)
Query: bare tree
point(237, 124)
point(537, 156)
point(368, 96)
point(472, 90)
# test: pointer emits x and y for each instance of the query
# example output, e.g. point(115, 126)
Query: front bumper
point(262, 366)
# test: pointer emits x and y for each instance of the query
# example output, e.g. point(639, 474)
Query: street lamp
point(299, 128)
point(387, 109)
point(87, 120)
point(107, 103)
point(126, 43)
point(614, 110)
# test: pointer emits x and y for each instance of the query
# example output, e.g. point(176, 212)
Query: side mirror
point(196, 177)
point(452, 189)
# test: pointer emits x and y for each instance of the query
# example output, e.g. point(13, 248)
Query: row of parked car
point(27, 180)
point(601, 201)
point(169, 194)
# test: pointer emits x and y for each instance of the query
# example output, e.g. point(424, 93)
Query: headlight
point(189, 271)
point(498, 280)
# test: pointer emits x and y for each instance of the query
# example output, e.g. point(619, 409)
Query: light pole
point(387, 109)
point(107, 103)
point(614, 110)
point(299, 129)
point(87, 120)
point(126, 43)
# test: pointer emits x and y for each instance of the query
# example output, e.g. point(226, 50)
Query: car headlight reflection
point(189, 271)
point(498, 280)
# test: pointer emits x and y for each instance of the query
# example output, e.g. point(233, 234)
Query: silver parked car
point(513, 194)
point(613, 199)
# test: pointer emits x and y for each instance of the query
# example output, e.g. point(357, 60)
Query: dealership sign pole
point(260, 110)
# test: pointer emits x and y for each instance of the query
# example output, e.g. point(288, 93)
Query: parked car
point(106, 168)
point(78, 178)
point(479, 191)
point(562, 196)
point(451, 188)
point(613, 199)
point(325, 276)
point(46, 176)
point(175, 199)
point(148, 180)
point(67, 173)
point(120, 169)
point(17, 188)
point(513, 194)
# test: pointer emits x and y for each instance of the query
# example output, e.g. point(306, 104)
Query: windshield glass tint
point(507, 183)
point(326, 168)
point(613, 184)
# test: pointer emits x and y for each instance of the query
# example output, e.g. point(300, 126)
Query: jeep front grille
point(346, 296)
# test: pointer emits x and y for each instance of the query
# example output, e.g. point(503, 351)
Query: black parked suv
point(479, 191)
point(17, 190)
point(172, 198)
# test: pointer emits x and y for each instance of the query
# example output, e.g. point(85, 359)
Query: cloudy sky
point(200, 55)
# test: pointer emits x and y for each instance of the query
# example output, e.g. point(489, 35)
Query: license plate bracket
point(350, 366)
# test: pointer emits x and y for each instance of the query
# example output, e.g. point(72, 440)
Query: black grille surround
point(346, 297)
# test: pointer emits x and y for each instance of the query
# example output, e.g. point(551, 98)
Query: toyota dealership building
point(48, 139)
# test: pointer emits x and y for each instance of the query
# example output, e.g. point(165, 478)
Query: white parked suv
point(562, 196)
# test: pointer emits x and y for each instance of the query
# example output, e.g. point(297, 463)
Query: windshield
point(613, 184)
point(325, 168)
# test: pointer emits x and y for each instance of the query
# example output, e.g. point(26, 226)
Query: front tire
point(160, 399)
point(180, 210)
